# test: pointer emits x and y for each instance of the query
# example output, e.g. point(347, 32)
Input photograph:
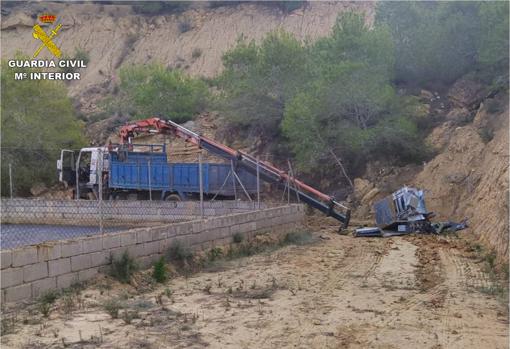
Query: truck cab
point(81, 170)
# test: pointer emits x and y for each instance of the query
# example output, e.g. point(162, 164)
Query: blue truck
point(136, 174)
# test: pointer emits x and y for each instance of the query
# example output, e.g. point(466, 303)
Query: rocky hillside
point(113, 35)
point(468, 178)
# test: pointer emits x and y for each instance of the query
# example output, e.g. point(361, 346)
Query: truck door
point(66, 167)
point(86, 175)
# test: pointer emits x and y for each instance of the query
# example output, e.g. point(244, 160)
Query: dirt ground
point(337, 292)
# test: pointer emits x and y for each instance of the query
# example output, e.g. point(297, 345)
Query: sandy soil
point(338, 292)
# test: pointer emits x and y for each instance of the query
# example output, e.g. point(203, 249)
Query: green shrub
point(22, 119)
point(147, 90)
point(112, 306)
point(46, 301)
point(123, 268)
point(215, 253)
point(238, 238)
point(81, 54)
point(178, 252)
point(159, 272)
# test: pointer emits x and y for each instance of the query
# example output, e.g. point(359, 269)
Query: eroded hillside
point(114, 35)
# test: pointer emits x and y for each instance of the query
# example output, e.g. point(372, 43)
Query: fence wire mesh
point(99, 191)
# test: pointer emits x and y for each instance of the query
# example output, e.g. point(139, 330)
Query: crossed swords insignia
point(39, 33)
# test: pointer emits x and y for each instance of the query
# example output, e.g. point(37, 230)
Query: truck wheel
point(173, 197)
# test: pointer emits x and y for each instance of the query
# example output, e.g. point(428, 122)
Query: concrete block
point(5, 259)
point(158, 233)
point(35, 271)
point(128, 238)
point(17, 293)
point(81, 262)
point(198, 227)
point(184, 228)
point(116, 252)
point(71, 248)
point(24, 256)
point(46, 252)
point(136, 250)
point(59, 266)
point(143, 235)
point(88, 274)
point(92, 244)
point(235, 229)
point(151, 248)
point(164, 245)
point(41, 286)
point(11, 277)
point(213, 234)
point(144, 262)
point(66, 280)
point(100, 258)
point(170, 231)
point(197, 239)
point(111, 241)
point(104, 269)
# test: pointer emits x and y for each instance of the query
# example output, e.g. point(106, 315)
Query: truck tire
point(173, 197)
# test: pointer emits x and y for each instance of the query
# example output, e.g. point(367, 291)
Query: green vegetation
point(439, 42)
point(152, 8)
point(298, 238)
point(45, 302)
point(123, 268)
point(159, 273)
point(151, 90)
point(38, 120)
point(178, 252)
point(112, 306)
point(237, 238)
point(329, 101)
point(79, 54)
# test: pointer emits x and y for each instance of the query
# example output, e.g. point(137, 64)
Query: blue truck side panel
point(132, 170)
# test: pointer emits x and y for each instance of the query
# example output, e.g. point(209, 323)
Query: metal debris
point(404, 212)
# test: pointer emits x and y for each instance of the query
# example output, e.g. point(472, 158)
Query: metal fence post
point(201, 184)
point(258, 185)
point(149, 173)
point(10, 178)
point(100, 190)
point(233, 179)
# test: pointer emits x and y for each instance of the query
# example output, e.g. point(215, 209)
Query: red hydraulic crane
point(267, 171)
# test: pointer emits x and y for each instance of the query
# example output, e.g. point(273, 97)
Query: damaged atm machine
point(404, 212)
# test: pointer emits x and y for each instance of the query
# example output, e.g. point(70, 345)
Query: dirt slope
point(113, 35)
point(470, 178)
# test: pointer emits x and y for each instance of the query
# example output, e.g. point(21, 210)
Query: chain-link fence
point(100, 190)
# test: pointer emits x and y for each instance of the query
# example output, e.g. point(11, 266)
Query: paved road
point(15, 235)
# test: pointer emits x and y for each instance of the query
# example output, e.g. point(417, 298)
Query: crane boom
point(267, 171)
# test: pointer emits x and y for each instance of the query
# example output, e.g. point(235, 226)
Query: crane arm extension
point(267, 171)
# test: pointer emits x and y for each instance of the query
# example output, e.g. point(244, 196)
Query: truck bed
point(150, 171)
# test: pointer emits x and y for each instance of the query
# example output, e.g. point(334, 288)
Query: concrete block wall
point(28, 271)
point(81, 212)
